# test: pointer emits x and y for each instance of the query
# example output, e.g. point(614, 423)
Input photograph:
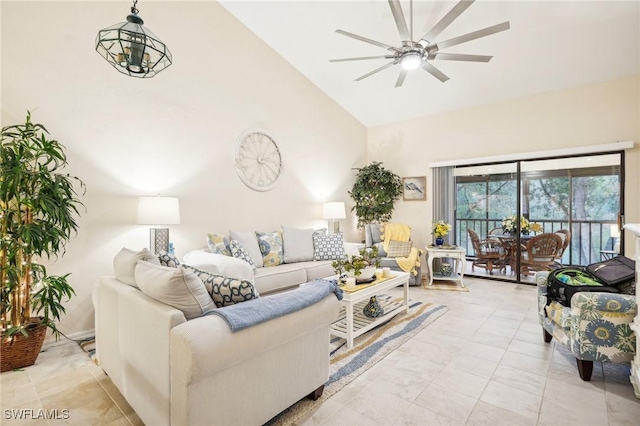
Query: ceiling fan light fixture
point(411, 61)
point(133, 49)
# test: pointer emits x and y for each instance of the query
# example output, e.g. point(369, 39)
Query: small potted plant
point(362, 266)
point(38, 209)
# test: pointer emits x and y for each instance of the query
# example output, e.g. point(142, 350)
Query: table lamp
point(334, 211)
point(158, 211)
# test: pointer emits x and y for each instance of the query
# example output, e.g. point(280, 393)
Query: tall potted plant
point(38, 208)
point(375, 191)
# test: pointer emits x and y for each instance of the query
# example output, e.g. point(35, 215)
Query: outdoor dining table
point(509, 243)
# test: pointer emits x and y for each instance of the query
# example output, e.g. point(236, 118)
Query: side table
point(458, 254)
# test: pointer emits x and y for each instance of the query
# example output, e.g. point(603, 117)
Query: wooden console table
point(458, 254)
point(633, 230)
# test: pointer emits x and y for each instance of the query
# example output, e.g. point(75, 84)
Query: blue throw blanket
point(256, 311)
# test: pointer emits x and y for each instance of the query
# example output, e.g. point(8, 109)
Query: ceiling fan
point(419, 54)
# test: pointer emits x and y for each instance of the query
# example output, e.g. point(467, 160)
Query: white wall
point(588, 115)
point(172, 134)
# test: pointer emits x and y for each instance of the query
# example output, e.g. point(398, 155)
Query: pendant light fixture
point(132, 49)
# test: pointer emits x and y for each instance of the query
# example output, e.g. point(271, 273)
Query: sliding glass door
point(501, 207)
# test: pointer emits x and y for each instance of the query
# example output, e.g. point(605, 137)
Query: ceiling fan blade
point(376, 70)
point(401, 77)
point(434, 71)
point(361, 58)
point(459, 57)
point(447, 19)
point(367, 40)
point(472, 36)
point(398, 16)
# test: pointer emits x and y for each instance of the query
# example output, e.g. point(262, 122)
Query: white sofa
point(197, 372)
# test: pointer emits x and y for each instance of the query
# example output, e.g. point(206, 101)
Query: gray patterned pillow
point(238, 251)
point(218, 244)
point(225, 291)
point(328, 247)
point(167, 259)
point(399, 248)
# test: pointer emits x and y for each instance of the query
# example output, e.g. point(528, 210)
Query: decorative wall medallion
point(257, 159)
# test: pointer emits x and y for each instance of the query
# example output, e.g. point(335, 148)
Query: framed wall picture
point(414, 188)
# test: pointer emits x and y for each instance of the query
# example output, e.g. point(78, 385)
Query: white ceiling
point(551, 45)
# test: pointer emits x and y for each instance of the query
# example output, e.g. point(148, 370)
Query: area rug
point(368, 349)
point(450, 286)
point(89, 346)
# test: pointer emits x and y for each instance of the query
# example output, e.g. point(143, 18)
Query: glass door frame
point(520, 196)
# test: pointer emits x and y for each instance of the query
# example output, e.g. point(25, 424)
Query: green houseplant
point(375, 191)
point(368, 258)
point(38, 208)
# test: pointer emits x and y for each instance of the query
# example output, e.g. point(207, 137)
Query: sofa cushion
point(124, 264)
point(218, 244)
point(220, 264)
point(317, 270)
point(250, 243)
point(280, 277)
point(298, 244)
point(239, 252)
point(559, 314)
point(399, 248)
point(225, 291)
point(168, 259)
point(177, 287)
point(328, 247)
point(271, 248)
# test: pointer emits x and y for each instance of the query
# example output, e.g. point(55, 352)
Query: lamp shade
point(158, 211)
point(333, 210)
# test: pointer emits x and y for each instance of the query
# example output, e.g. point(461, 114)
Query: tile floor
point(482, 363)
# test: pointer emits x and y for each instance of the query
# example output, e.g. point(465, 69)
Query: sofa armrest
point(204, 346)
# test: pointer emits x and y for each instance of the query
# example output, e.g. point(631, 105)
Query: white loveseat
point(197, 372)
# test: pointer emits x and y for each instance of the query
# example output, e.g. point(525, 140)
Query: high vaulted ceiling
point(551, 45)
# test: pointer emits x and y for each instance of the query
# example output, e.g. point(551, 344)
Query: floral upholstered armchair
point(595, 328)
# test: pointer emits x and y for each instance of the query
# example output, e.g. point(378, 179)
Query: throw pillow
point(328, 247)
point(228, 266)
point(124, 264)
point(250, 243)
point(225, 291)
point(399, 248)
point(167, 259)
point(238, 251)
point(177, 287)
point(218, 244)
point(298, 244)
point(271, 247)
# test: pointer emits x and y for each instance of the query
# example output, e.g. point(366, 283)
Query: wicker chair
point(565, 236)
point(489, 253)
point(541, 251)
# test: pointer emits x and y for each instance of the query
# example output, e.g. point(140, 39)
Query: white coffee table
point(352, 323)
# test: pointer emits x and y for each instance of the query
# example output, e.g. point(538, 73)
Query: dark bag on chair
point(563, 283)
point(613, 272)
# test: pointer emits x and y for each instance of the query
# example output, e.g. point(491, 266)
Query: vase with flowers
point(440, 230)
point(510, 225)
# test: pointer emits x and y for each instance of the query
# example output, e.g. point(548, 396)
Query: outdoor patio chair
point(565, 235)
point(489, 253)
point(540, 254)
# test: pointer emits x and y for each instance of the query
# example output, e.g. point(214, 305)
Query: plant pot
point(439, 241)
point(21, 351)
point(365, 274)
